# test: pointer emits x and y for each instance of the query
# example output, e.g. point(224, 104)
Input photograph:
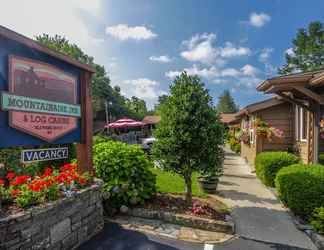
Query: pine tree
point(226, 103)
point(307, 53)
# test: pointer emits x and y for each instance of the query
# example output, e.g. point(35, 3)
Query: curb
point(184, 220)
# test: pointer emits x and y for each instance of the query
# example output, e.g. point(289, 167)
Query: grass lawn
point(168, 182)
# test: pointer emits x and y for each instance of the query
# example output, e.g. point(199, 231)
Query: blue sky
point(144, 44)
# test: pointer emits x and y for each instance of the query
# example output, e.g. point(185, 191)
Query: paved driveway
point(113, 237)
point(261, 222)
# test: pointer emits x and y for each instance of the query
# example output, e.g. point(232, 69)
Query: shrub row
point(301, 188)
point(235, 145)
point(267, 165)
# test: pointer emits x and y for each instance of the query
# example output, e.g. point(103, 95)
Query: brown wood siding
point(280, 117)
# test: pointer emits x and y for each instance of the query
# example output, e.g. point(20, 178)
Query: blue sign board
point(35, 155)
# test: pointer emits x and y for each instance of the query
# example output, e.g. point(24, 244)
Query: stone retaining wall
point(63, 224)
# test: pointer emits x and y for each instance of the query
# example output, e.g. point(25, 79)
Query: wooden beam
point(318, 80)
point(84, 148)
point(310, 94)
point(294, 101)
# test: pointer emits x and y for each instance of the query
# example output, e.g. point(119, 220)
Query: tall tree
point(307, 53)
point(161, 99)
point(137, 106)
point(190, 135)
point(226, 103)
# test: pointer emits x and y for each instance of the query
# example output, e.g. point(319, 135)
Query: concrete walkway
point(256, 211)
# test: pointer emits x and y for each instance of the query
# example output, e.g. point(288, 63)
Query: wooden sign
point(35, 155)
point(41, 100)
point(46, 97)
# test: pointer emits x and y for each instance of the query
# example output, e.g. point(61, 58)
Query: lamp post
point(107, 104)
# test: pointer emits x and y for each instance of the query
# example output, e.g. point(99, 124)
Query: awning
point(125, 123)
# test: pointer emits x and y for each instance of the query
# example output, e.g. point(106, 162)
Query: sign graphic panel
point(42, 99)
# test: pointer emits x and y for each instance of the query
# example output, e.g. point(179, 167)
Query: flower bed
point(202, 214)
point(56, 209)
point(26, 190)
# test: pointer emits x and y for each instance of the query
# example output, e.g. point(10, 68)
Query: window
point(251, 130)
point(300, 124)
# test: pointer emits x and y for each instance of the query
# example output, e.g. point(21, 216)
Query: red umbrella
point(125, 123)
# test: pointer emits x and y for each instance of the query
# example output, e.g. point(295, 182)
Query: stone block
point(70, 241)
point(60, 230)
point(82, 234)
point(75, 218)
point(76, 226)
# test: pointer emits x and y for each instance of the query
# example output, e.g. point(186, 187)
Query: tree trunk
point(188, 189)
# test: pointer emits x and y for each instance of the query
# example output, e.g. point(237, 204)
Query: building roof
point(152, 119)
point(228, 118)
point(313, 78)
point(258, 106)
point(9, 34)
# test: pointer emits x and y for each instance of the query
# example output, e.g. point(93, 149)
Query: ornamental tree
point(190, 136)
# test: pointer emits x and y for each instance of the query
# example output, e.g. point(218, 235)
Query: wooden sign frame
point(84, 148)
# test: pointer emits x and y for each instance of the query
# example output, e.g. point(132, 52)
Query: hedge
point(301, 188)
point(267, 165)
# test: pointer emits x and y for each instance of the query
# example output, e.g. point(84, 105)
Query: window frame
point(299, 124)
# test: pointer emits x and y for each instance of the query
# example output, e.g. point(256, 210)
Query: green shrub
point(100, 139)
point(267, 165)
point(301, 188)
point(235, 145)
point(237, 148)
point(317, 220)
point(125, 172)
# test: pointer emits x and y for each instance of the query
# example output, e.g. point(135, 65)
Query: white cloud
point(264, 57)
point(142, 88)
point(231, 72)
point(230, 51)
point(290, 52)
point(36, 17)
point(124, 32)
point(259, 20)
point(247, 75)
point(217, 75)
point(161, 59)
point(249, 70)
point(200, 48)
point(207, 73)
point(265, 54)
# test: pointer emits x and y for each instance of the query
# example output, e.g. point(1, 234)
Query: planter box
point(63, 224)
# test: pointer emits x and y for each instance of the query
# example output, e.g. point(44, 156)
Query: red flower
point(48, 171)
point(22, 179)
point(10, 175)
point(15, 192)
point(82, 181)
point(1, 182)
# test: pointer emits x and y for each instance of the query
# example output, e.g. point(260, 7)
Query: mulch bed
point(177, 204)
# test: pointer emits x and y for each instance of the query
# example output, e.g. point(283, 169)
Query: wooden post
point(84, 149)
